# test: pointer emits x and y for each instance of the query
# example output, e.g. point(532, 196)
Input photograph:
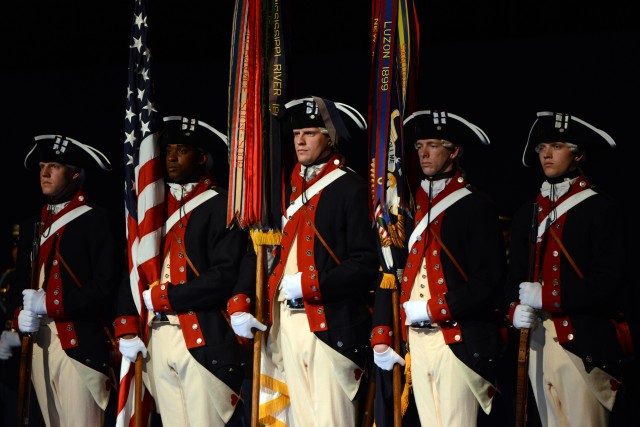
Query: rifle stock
point(397, 373)
point(522, 386)
point(24, 379)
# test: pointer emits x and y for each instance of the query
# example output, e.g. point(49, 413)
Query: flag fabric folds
point(144, 194)
point(245, 115)
point(256, 104)
point(395, 37)
point(394, 67)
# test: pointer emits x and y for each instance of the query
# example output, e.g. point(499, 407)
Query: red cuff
point(126, 325)
point(439, 309)
point(239, 302)
point(311, 287)
point(512, 309)
point(54, 303)
point(14, 322)
point(552, 299)
point(160, 298)
point(382, 335)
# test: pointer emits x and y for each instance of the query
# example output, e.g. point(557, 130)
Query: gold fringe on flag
point(264, 238)
point(407, 384)
point(388, 281)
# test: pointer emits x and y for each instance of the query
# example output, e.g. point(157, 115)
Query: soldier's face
point(184, 163)
point(56, 179)
point(556, 158)
point(433, 156)
point(311, 144)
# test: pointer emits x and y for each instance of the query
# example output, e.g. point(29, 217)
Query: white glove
point(524, 317)
point(9, 339)
point(531, 294)
point(416, 311)
point(35, 301)
point(5, 351)
point(28, 321)
point(292, 285)
point(130, 348)
point(146, 296)
point(242, 322)
point(387, 359)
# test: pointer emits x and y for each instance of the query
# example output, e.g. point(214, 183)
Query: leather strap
point(566, 253)
point(449, 254)
point(197, 273)
point(77, 282)
point(315, 230)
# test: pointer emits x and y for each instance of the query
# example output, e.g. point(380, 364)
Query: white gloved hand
point(130, 348)
point(292, 285)
point(146, 296)
point(387, 359)
point(416, 311)
point(524, 317)
point(35, 301)
point(242, 322)
point(28, 321)
point(9, 340)
point(531, 294)
point(5, 351)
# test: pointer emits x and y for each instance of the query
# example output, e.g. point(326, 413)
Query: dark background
point(63, 69)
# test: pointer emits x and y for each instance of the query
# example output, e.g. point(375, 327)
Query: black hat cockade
point(65, 150)
point(563, 127)
point(194, 132)
point(436, 124)
point(340, 120)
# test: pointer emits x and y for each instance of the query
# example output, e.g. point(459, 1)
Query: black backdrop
point(64, 67)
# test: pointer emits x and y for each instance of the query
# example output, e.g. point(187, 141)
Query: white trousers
point(63, 384)
point(317, 397)
point(440, 382)
point(566, 395)
point(186, 393)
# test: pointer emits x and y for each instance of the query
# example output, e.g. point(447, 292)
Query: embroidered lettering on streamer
point(188, 207)
point(563, 207)
point(64, 220)
point(312, 191)
point(437, 210)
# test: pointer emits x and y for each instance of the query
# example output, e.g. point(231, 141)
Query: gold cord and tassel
point(264, 238)
point(388, 281)
point(404, 400)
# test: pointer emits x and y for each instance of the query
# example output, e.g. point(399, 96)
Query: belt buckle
point(423, 325)
point(295, 304)
point(160, 317)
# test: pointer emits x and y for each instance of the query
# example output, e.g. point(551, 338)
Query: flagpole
point(137, 415)
point(257, 340)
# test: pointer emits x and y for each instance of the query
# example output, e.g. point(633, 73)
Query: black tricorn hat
point(563, 127)
point(341, 120)
point(194, 132)
point(62, 149)
point(437, 124)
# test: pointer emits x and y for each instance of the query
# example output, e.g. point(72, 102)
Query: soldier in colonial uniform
point(322, 272)
point(193, 364)
point(451, 281)
point(67, 305)
point(570, 303)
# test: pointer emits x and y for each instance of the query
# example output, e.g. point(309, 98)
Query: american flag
point(144, 191)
